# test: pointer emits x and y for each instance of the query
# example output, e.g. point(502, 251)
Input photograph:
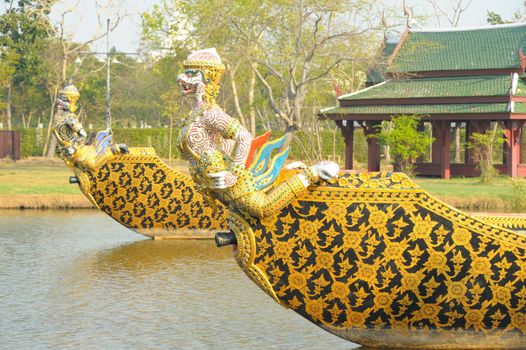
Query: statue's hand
point(325, 170)
point(223, 179)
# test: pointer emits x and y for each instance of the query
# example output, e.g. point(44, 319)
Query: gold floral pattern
point(141, 192)
point(397, 260)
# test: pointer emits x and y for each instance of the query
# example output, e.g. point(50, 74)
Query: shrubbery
point(158, 138)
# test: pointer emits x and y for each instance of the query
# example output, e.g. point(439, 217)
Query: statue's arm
point(265, 203)
point(75, 125)
point(230, 129)
point(227, 146)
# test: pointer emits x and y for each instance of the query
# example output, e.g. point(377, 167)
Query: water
point(79, 280)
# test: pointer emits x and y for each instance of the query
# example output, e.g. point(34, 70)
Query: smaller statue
point(218, 146)
point(75, 148)
point(67, 128)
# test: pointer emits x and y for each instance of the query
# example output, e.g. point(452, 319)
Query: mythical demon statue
point(218, 146)
point(74, 146)
point(67, 128)
point(369, 257)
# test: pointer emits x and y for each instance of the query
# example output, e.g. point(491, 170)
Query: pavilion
point(471, 76)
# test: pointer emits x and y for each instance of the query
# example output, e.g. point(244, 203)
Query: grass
point(38, 184)
point(469, 193)
point(36, 177)
point(43, 183)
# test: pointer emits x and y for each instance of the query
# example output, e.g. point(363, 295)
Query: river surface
point(79, 280)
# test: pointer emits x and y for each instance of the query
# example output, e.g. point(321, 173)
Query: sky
point(82, 21)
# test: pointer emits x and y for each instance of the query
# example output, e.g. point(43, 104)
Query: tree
point(286, 46)
point(167, 29)
point(518, 16)
point(405, 141)
point(452, 16)
point(8, 61)
point(482, 148)
point(61, 51)
point(23, 30)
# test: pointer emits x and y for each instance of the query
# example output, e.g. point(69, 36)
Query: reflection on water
point(77, 279)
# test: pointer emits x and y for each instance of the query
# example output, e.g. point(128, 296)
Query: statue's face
point(192, 83)
point(63, 103)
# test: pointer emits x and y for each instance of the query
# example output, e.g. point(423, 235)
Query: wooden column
point(373, 145)
point(347, 130)
point(436, 146)
point(467, 153)
point(513, 134)
point(445, 161)
point(441, 147)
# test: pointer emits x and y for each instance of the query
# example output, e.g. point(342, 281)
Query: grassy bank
point(503, 193)
point(41, 183)
point(38, 184)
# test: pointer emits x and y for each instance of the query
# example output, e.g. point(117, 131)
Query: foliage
point(518, 16)
point(31, 142)
point(23, 31)
point(482, 148)
point(405, 142)
point(518, 194)
point(23, 28)
point(494, 18)
point(8, 61)
point(281, 56)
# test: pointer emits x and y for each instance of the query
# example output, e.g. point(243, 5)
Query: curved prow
point(141, 192)
point(376, 260)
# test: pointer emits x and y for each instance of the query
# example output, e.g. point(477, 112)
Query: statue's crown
point(71, 94)
point(206, 58)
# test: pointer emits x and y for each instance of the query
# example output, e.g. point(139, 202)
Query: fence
point(10, 144)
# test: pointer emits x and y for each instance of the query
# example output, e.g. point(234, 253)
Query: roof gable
point(376, 73)
point(493, 47)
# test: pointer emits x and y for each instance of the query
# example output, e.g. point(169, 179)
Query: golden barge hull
point(141, 192)
point(376, 260)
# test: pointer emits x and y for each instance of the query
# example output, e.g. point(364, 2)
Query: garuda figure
point(218, 146)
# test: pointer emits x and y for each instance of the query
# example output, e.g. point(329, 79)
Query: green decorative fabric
point(484, 85)
point(487, 48)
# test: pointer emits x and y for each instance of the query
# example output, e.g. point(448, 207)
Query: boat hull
point(376, 260)
point(142, 193)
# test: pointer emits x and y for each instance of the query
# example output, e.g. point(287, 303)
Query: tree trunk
point(397, 164)
point(8, 107)
point(387, 149)
point(28, 122)
point(456, 143)
point(252, 108)
point(231, 74)
point(51, 142)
